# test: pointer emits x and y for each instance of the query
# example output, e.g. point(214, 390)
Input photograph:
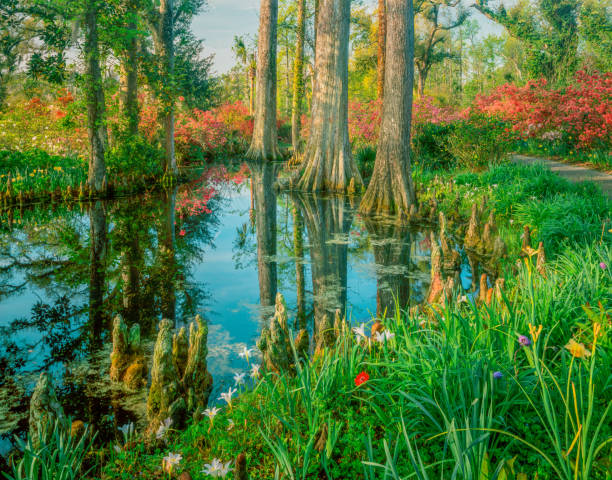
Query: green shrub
point(430, 146)
point(478, 142)
point(365, 158)
point(134, 155)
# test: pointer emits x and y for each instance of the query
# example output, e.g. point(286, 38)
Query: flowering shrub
point(221, 131)
point(580, 115)
point(55, 125)
point(365, 118)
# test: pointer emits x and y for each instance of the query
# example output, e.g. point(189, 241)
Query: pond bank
point(573, 173)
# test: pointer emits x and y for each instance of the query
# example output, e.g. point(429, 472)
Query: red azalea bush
point(221, 131)
point(580, 115)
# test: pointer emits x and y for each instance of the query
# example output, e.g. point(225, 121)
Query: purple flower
point(603, 266)
point(497, 375)
point(524, 341)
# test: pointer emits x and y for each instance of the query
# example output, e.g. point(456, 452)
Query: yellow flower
point(578, 350)
point(535, 333)
point(57, 169)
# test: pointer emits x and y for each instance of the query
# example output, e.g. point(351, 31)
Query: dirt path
point(573, 173)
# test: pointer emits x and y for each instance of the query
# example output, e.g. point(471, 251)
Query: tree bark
point(96, 108)
point(130, 67)
point(382, 38)
point(264, 145)
point(422, 79)
point(262, 178)
point(252, 77)
point(329, 164)
point(166, 29)
point(391, 190)
point(298, 78)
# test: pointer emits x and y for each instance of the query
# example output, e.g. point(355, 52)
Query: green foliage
point(478, 142)
point(558, 211)
point(134, 156)
point(431, 147)
point(56, 456)
point(365, 157)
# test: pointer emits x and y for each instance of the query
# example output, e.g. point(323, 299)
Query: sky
point(223, 19)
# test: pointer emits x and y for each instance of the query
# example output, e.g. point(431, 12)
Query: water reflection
point(264, 199)
point(221, 248)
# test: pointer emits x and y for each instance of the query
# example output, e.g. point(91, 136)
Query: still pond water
point(220, 247)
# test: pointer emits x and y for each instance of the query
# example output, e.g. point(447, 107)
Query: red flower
point(182, 233)
point(361, 378)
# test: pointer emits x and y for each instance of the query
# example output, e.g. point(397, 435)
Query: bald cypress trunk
point(264, 145)
point(130, 67)
point(328, 161)
point(166, 29)
point(382, 37)
point(96, 108)
point(298, 78)
point(391, 190)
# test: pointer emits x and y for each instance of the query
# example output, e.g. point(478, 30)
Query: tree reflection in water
point(151, 257)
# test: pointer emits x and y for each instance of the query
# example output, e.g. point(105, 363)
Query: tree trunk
point(422, 78)
point(391, 190)
point(328, 161)
point(298, 78)
point(264, 145)
point(96, 108)
point(382, 38)
point(166, 28)
point(262, 178)
point(130, 67)
point(252, 70)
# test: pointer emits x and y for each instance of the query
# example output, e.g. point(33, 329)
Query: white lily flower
point(255, 370)
point(213, 468)
point(163, 428)
point(227, 396)
point(211, 413)
point(239, 378)
point(171, 461)
point(360, 332)
point(246, 353)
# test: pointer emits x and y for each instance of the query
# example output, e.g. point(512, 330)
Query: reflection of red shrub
point(582, 111)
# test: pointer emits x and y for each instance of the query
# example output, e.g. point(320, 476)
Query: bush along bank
point(507, 380)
